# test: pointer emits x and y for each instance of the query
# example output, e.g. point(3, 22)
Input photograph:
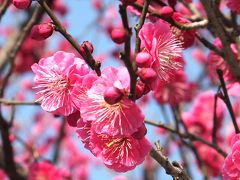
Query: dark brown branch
point(189, 136)
point(13, 45)
point(59, 139)
point(126, 56)
point(209, 45)
point(217, 26)
point(88, 58)
point(14, 102)
point(5, 4)
point(140, 24)
point(9, 164)
point(194, 25)
point(174, 169)
point(227, 100)
point(214, 131)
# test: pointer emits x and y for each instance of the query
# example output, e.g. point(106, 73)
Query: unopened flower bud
point(143, 59)
point(22, 4)
point(141, 89)
point(42, 31)
point(73, 118)
point(89, 46)
point(166, 11)
point(118, 35)
point(142, 131)
point(147, 75)
point(113, 95)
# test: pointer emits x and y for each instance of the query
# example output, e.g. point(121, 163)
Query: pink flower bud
point(141, 89)
point(166, 11)
point(22, 4)
point(147, 75)
point(118, 35)
point(142, 131)
point(89, 46)
point(42, 31)
point(143, 59)
point(112, 95)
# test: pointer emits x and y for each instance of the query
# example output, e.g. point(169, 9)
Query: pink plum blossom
point(199, 119)
point(231, 166)
point(121, 118)
point(211, 159)
point(172, 92)
point(44, 170)
point(166, 50)
point(120, 153)
point(55, 78)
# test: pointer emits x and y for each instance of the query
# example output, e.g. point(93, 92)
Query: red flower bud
point(143, 59)
point(113, 95)
point(118, 35)
point(166, 11)
point(141, 89)
point(22, 4)
point(89, 46)
point(73, 118)
point(42, 31)
point(142, 131)
point(147, 75)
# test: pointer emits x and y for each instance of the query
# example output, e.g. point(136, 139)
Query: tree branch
point(174, 169)
point(88, 58)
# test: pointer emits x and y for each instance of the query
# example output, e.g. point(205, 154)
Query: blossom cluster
point(109, 124)
point(231, 170)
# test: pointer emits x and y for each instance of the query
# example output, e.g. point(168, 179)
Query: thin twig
point(126, 55)
point(14, 102)
point(194, 25)
point(218, 27)
point(58, 142)
point(5, 4)
point(13, 45)
point(189, 136)
point(58, 26)
point(214, 131)
point(9, 164)
point(140, 24)
point(174, 169)
point(227, 100)
point(209, 45)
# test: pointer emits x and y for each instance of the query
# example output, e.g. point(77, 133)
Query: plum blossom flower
point(231, 166)
point(55, 78)
point(121, 118)
point(120, 153)
point(213, 161)
point(166, 50)
point(234, 5)
point(187, 37)
point(199, 119)
point(44, 170)
point(3, 175)
point(172, 92)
